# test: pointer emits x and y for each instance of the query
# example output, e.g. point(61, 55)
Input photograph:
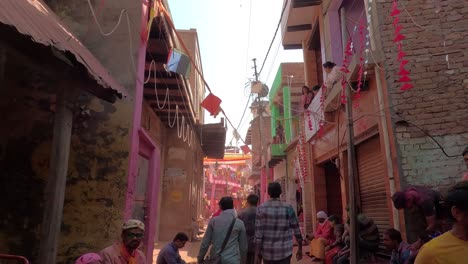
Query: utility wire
point(274, 36)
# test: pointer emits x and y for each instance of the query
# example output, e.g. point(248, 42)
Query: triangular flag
point(398, 38)
point(245, 149)
point(403, 71)
point(406, 86)
point(405, 79)
point(395, 10)
point(401, 54)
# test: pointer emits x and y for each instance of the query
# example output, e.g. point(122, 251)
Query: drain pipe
point(388, 156)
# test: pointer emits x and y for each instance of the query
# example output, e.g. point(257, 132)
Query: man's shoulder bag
point(217, 258)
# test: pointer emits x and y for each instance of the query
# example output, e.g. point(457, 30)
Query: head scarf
point(88, 258)
point(322, 214)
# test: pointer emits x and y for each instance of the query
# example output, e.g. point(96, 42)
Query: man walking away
point(235, 250)
point(126, 251)
point(248, 217)
point(452, 246)
point(170, 253)
point(400, 249)
point(275, 225)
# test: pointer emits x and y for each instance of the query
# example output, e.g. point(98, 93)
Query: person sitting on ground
point(343, 254)
point(170, 253)
point(400, 249)
point(332, 250)
point(322, 237)
point(89, 258)
point(126, 250)
point(368, 236)
point(218, 228)
point(248, 216)
point(452, 246)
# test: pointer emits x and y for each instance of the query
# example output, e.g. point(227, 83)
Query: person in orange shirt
point(451, 247)
point(322, 237)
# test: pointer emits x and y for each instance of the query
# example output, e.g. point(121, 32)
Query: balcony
point(332, 101)
point(299, 21)
point(276, 154)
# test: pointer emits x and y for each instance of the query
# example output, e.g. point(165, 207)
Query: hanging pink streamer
point(399, 37)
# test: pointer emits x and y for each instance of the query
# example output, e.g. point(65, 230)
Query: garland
point(345, 69)
point(399, 37)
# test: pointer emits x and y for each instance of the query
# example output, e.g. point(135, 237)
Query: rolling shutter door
point(372, 177)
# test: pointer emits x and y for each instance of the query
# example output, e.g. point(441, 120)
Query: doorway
point(333, 187)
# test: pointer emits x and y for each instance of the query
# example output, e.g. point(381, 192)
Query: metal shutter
point(372, 177)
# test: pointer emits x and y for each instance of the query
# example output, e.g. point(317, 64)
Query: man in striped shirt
point(275, 225)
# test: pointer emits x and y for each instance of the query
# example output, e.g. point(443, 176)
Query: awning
point(34, 18)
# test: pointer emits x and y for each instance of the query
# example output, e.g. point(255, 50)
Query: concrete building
point(395, 131)
point(64, 138)
point(258, 133)
point(286, 126)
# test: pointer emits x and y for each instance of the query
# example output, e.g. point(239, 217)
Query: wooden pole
point(352, 169)
point(55, 190)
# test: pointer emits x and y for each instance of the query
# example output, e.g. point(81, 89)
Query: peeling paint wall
point(182, 185)
point(96, 179)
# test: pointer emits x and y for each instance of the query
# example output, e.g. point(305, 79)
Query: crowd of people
point(268, 232)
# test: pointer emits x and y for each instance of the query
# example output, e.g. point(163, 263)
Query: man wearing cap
point(126, 251)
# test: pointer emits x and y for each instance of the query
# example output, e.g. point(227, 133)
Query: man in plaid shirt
point(275, 225)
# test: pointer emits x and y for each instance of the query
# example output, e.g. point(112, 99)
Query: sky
point(231, 33)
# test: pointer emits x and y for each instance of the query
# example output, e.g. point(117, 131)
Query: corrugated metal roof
point(34, 18)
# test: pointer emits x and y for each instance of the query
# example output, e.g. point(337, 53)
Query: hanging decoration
point(344, 69)
point(309, 120)
point(357, 95)
point(399, 37)
point(322, 109)
point(212, 104)
point(245, 149)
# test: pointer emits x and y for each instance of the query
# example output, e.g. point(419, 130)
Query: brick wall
point(438, 102)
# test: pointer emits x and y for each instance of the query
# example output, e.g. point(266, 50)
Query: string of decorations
point(357, 94)
point(398, 39)
point(345, 69)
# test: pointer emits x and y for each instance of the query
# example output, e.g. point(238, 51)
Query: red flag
point(403, 71)
point(212, 104)
point(406, 86)
point(405, 79)
point(245, 149)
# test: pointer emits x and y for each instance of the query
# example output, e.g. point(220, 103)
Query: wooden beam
point(162, 92)
point(55, 189)
point(292, 46)
point(165, 110)
point(296, 28)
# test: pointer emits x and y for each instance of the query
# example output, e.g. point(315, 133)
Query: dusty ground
point(190, 251)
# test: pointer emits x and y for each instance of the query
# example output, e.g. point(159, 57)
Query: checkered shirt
point(275, 225)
